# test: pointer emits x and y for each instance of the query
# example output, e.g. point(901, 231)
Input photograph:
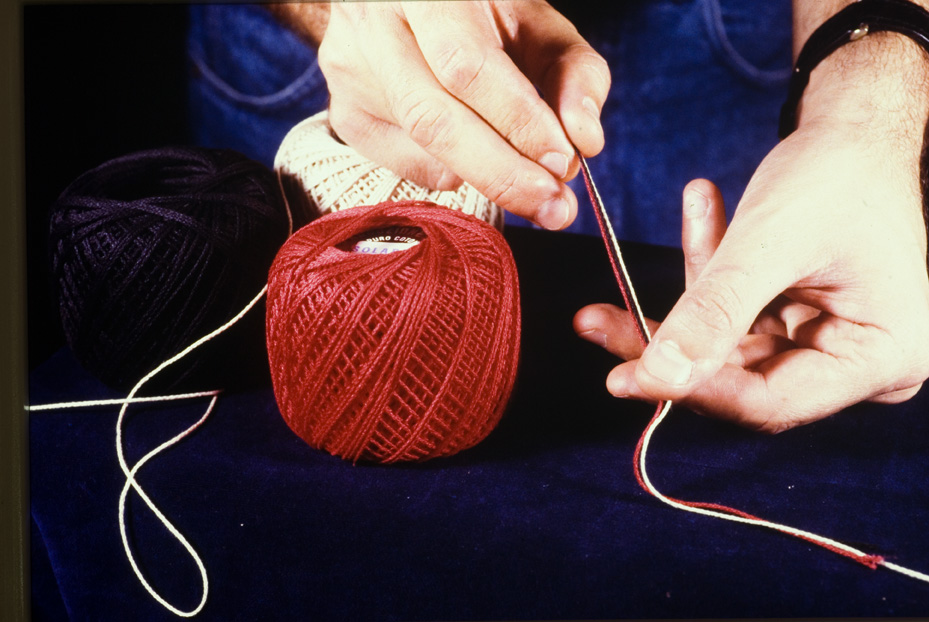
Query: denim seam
point(721, 44)
point(255, 100)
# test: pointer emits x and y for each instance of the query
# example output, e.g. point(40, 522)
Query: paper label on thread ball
point(385, 241)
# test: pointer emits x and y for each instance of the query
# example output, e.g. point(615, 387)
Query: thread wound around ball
point(393, 356)
point(320, 174)
point(154, 249)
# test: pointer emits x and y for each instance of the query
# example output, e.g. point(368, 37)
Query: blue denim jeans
point(697, 87)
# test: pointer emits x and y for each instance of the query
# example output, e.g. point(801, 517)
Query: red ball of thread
point(394, 357)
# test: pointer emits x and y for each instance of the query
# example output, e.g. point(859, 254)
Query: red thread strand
point(625, 287)
point(602, 223)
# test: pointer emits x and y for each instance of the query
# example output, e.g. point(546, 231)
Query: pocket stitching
point(284, 94)
point(723, 47)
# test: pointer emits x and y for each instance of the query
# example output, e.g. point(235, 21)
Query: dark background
point(99, 82)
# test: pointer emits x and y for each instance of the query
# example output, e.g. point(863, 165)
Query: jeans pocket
point(751, 38)
point(242, 55)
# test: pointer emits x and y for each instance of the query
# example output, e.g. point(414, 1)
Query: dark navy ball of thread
point(153, 250)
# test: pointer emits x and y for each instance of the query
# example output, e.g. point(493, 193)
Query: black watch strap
point(854, 22)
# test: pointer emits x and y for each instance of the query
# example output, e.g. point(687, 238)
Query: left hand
point(815, 298)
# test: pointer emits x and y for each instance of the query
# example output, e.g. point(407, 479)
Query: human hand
point(441, 92)
point(815, 298)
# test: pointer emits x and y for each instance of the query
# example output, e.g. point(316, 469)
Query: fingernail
point(591, 106)
point(594, 336)
point(593, 111)
point(616, 385)
point(695, 205)
point(553, 214)
point(665, 361)
point(555, 163)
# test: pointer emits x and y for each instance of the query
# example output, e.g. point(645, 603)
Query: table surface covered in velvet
point(544, 519)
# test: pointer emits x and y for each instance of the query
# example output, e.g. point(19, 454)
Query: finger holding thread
point(704, 223)
point(612, 328)
point(444, 127)
point(477, 69)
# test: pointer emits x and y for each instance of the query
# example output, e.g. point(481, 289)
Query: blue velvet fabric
point(543, 520)
point(697, 87)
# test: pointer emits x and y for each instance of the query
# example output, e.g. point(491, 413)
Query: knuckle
point(696, 258)
point(715, 306)
point(333, 55)
point(921, 373)
point(520, 126)
point(593, 61)
point(770, 412)
point(773, 425)
point(900, 396)
point(504, 189)
point(581, 59)
point(429, 124)
point(326, 58)
point(338, 117)
point(599, 64)
point(920, 343)
point(458, 67)
point(908, 347)
point(911, 392)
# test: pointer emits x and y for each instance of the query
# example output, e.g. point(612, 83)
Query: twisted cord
point(663, 408)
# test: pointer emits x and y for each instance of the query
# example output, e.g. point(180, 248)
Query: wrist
point(873, 94)
point(877, 86)
point(867, 92)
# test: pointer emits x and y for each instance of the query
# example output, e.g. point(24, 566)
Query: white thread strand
point(120, 401)
point(907, 571)
point(131, 482)
point(130, 473)
point(707, 512)
point(646, 439)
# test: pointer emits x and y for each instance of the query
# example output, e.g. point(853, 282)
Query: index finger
point(474, 67)
point(793, 388)
point(459, 138)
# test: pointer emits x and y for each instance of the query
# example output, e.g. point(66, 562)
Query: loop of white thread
point(132, 483)
point(131, 473)
point(335, 177)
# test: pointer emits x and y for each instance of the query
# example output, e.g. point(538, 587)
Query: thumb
point(708, 321)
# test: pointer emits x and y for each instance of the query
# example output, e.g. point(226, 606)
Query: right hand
point(441, 92)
